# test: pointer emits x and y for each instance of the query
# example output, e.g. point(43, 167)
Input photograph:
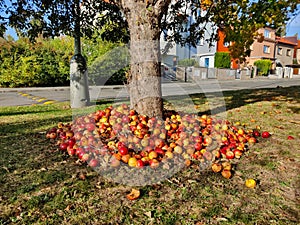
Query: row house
point(285, 48)
point(280, 50)
point(263, 47)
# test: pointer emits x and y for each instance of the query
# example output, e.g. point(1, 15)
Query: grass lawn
point(41, 185)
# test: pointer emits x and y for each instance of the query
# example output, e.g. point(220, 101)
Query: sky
point(293, 26)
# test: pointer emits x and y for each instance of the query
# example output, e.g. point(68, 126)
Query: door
point(206, 62)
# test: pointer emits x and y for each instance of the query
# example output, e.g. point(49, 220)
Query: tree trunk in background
point(145, 77)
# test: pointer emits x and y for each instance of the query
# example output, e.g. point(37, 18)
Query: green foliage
point(46, 62)
point(43, 63)
point(187, 62)
point(263, 66)
point(222, 60)
point(111, 67)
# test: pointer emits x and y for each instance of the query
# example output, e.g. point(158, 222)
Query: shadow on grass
point(236, 99)
point(23, 127)
point(20, 112)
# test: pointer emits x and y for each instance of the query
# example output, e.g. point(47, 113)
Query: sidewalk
point(115, 87)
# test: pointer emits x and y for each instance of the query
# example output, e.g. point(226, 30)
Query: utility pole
point(79, 89)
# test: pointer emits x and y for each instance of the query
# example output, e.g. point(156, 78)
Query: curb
point(31, 89)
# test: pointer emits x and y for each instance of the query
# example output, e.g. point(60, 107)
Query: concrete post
point(79, 89)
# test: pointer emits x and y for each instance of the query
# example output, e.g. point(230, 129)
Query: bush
point(222, 60)
point(187, 62)
point(47, 62)
point(43, 63)
point(263, 66)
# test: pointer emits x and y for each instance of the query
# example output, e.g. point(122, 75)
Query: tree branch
point(161, 6)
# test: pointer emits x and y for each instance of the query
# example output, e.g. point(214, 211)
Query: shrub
point(43, 63)
point(47, 62)
point(187, 62)
point(263, 66)
point(222, 60)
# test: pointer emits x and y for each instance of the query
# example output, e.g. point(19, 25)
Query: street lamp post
point(79, 89)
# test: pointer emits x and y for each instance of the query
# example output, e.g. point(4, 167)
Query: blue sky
point(293, 26)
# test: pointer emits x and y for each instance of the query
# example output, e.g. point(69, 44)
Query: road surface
point(30, 96)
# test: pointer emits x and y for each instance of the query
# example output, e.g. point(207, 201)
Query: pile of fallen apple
point(119, 135)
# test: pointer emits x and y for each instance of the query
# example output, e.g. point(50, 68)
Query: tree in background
point(145, 19)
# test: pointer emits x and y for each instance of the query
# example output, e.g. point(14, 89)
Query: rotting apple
point(216, 167)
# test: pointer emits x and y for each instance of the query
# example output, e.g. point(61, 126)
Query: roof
point(286, 40)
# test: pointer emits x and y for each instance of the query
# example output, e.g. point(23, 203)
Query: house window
point(279, 51)
point(201, 41)
point(288, 52)
point(266, 49)
point(267, 34)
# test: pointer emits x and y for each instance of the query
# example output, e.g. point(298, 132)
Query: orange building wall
point(222, 48)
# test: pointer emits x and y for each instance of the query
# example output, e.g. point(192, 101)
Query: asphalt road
point(30, 96)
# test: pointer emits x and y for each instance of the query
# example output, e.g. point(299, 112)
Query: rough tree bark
point(144, 19)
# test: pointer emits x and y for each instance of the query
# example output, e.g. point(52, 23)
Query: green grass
point(41, 185)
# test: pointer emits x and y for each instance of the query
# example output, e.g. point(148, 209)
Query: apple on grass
point(265, 134)
point(63, 146)
point(123, 150)
point(93, 163)
point(216, 167)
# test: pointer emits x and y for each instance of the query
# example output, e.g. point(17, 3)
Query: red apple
point(93, 163)
point(90, 127)
point(237, 153)
point(63, 146)
point(140, 163)
point(123, 150)
point(71, 151)
point(290, 137)
point(265, 134)
point(159, 151)
point(229, 154)
point(256, 133)
point(71, 142)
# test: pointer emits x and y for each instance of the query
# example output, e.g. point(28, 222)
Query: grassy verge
point(40, 185)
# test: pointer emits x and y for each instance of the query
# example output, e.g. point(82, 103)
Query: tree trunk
point(145, 79)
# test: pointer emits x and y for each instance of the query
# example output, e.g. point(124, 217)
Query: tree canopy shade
point(142, 21)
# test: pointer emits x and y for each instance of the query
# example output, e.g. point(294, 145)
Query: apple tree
point(143, 21)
